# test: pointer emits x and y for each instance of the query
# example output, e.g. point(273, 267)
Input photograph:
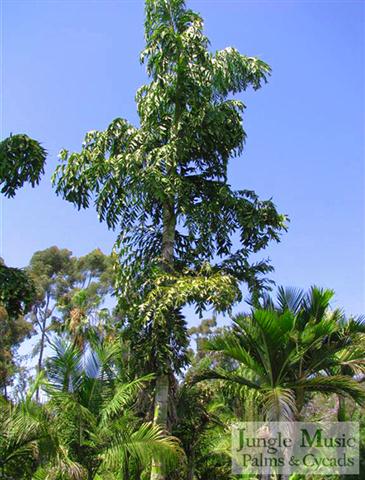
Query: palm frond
point(290, 298)
point(63, 467)
point(125, 393)
point(221, 374)
point(279, 404)
point(234, 72)
point(142, 445)
point(339, 384)
point(316, 303)
point(232, 347)
point(65, 367)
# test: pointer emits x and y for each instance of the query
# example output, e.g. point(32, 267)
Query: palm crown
point(288, 350)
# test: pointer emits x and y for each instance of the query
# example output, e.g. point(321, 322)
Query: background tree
point(82, 307)
point(70, 294)
point(52, 270)
point(17, 293)
point(22, 160)
point(164, 185)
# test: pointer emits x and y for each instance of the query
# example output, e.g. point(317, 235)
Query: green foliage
point(17, 291)
point(22, 160)
point(94, 412)
point(163, 186)
point(52, 271)
point(17, 294)
point(86, 429)
point(287, 351)
point(173, 168)
point(70, 293)
point(201, 424)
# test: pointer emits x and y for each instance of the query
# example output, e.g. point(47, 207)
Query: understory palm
point(87, 428)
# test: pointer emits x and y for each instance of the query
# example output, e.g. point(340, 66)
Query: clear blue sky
point(72, 66)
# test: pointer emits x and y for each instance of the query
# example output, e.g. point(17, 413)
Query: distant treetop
point(22, 160)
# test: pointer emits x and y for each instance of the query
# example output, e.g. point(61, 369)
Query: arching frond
point(144, 444)
point(339, 384)
point(123, 396)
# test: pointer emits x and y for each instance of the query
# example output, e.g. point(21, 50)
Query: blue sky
point(72, 66)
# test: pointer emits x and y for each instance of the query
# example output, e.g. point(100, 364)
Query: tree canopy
point(22, 161)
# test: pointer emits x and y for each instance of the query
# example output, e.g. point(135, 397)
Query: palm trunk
point(162, 381)
point(167, 253)
point(341, 409)
point(40, 357)
point(161, 401)
point(341, 417)
point(160, 418)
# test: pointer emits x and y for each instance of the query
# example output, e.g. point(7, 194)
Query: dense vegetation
point(121, 388)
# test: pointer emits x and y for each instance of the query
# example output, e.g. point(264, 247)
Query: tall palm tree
point(287, 349)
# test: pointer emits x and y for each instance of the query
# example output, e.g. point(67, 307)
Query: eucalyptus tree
point(163, 186)
point(81, 308)
point(70, 293)
point(52, 272)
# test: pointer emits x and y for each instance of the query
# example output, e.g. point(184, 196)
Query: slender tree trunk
point(41, 348)
point(160, 418)
point(191, 464)
point(161, 401)
point(42, 324)
point(341, 417)
point(126, 475)
point(167, 253)
point(341, 409)
point(162, 381)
